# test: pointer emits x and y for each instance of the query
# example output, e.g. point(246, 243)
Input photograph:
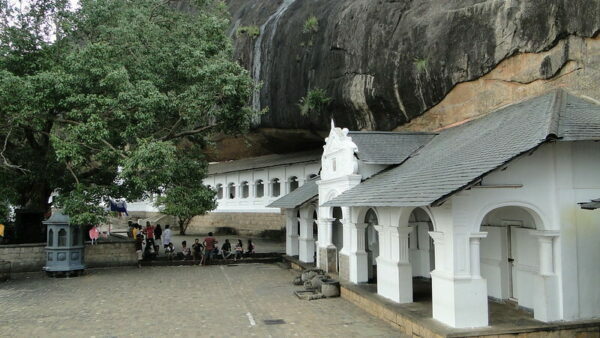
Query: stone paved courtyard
point(213, 301)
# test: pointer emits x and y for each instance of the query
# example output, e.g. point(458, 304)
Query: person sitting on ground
point(185, 253)
point(239, 250)
point(226, 249)
point(197, 249)
point(251, 248)
point(209, 246)
point(138, 249)
point(170, 251)
point(166, 236)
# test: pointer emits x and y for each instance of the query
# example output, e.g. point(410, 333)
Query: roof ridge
point(556, 110)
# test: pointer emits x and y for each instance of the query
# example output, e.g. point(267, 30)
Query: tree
point(114, 98)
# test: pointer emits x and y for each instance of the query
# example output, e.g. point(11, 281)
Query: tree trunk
point(183, 225)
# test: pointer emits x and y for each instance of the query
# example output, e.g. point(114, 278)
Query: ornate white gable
point(338, 155)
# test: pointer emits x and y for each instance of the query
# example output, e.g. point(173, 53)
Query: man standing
point(149, 232)
point(166, 236)
point(209, 247)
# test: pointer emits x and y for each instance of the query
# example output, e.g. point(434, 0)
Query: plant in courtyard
point(311, 25)
point(251, 31)
point(314, 103)
point(114, 98)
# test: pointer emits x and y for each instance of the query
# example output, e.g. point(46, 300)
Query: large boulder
point(386, 62)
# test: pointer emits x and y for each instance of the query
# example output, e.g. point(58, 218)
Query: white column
point(547, 297)
point(291, 232)
point(358, 269)
point(307, 242)
point(286, 188)
point(474, 246)
point(394, 272)
point(459, 295)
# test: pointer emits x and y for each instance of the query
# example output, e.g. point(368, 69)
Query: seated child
point(170, 251)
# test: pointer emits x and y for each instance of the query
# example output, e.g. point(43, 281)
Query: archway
point(509, 254)
point(421, 254)
point(371, 244)
point(420, 244)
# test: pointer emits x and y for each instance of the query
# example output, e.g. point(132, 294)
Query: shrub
point(314, 103)
point(311, 25)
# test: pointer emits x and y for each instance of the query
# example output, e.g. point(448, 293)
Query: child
point(169, 251)
point(138, 249)
point(197, 247)
point(94, 234)
point(185, 251)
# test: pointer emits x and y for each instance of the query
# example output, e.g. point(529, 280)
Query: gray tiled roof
point(594, 204)
point(459, 156)
point(264, 161)
point(297, 197)
point(377, 147)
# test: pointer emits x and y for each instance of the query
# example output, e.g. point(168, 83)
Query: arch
point(244, 189)
point(50, 237)
point(407, 212)
point(275, 187)
point(509, 255)
point(535, 212)
point(293, 183)
point(62, 237)
point(231, 190)
point(219, 191)
point(259, 187)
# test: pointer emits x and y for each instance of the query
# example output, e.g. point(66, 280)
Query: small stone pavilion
point(485, 210)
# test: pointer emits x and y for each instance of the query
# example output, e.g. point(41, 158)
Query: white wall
point(302, 171)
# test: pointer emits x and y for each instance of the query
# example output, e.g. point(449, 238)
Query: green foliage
point(314, 103)
point(251, 31)
point(311, 25)
point(112, 98)
point(420, 65)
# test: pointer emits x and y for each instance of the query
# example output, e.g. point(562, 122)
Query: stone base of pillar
point(547, 302)
point(328, 259)
point(344, 272)
point(306, 250)
point(394, 281)
point(359, 270)
point(459, 302)
point(291, 245)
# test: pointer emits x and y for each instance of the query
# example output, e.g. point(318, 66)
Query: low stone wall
point(31, 257)
point(105, 254)
point(24, 257)
point(245, 223)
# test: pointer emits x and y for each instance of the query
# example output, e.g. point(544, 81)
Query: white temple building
point(487, 210)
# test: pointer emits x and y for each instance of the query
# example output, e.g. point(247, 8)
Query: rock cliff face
point(409, 64)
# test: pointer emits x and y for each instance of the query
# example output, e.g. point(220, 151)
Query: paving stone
point(177, 301)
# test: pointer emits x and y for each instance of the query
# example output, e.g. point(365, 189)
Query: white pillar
point(394, 272)
point(547, 297)
point(474, 246)
point(327, 260)
point(307, 242)
point(359, 272)
point(291, 232)
point(459, 296)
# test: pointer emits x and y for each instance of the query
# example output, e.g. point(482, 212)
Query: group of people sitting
point(208, 250)
point(148, 241)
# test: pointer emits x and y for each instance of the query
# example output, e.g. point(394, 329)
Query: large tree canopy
point(114, 98)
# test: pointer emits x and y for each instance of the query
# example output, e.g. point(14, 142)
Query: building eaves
point(264, 162)
point(298, 197)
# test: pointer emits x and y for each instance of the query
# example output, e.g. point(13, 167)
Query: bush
point(251, 31)
point(311, 25)
point(314, 103)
